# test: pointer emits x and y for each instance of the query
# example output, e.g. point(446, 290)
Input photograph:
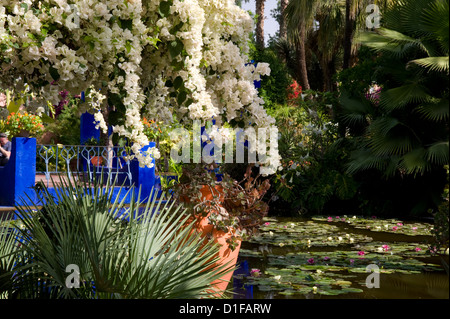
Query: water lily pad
point(304, 234)
point(294, 281)
point(329, 258)
point(380, 225)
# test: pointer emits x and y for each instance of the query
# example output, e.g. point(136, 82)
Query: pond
point(333, 257)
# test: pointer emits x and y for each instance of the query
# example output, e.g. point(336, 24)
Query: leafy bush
point(121, 251)
point(313, 164)
point(21, 124)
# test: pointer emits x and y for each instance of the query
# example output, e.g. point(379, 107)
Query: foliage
point(234, 206)
point(159, 132)
point(135, 59)
point(121, 251)
point(23, 124)
point(313, 167)
point(403, 137)
point(65, 127)
point(273, 86)
point(440, 230)
point(397, 138)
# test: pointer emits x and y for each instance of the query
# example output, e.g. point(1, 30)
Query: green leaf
point(128, 46)
point(14, 106)
point(54, 73)
point(47, 119)
point(126, 24)
point(181, 97)
point(435, 63)
point(175, 48)
point(164, 8)
point(178, 82)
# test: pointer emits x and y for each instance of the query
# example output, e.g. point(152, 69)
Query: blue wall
point(17, 177)
point(87, 128)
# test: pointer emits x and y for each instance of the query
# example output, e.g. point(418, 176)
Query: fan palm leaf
point(122, 251)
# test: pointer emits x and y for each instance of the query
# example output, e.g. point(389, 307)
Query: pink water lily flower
point(418, 249)
point(394, 228)
point(330, 219)
point(255, 272)
point(326, 258)
point(386, 247)
point(361, 253)
point(266, 224)
point(399, 224)
point(311, 261)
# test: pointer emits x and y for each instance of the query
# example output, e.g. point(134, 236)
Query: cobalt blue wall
point(87, 128)
point(143, 177)
point(17, 177)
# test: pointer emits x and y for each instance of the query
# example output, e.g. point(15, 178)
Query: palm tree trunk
point(260, 24)
point(328, 70)
point(283, 28)
point(348, 35)
point(301, 57)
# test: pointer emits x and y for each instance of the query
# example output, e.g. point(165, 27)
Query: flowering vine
point(169, 60)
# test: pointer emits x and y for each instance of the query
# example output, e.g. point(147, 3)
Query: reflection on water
point(289, 256)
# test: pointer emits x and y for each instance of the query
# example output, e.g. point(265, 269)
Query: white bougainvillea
point(175, 60)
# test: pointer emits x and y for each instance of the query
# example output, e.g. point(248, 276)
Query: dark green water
point(322, 259)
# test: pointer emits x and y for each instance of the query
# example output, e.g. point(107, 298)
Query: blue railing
point(30, 163)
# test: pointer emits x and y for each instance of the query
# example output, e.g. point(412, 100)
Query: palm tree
point(136, 251)
point(324, 42)
point(299, 15)
point(350, 18)
point(260, 23)
point(407, 132)
point(282, 21)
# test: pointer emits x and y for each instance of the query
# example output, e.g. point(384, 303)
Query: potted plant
point(225, 210)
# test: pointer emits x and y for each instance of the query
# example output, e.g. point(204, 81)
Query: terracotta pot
point(227, 256)
point(97, 161)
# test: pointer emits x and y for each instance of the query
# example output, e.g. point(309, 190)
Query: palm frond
point(435, 111)
point(400, 97)
point(122, 251)
point(437, 153)
point(435, 63)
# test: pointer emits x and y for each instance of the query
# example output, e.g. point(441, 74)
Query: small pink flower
point(337, 217)
point(311, 261)
point(361, 253)
point(326, 258)
point(414, 228)
point(266, 224)
point(418, 249)
point(399, 224)
point(394, 228)
point(330, 219)
point(386, 247)
point(255, 272)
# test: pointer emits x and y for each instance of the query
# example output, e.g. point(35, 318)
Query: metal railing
point(73, 160)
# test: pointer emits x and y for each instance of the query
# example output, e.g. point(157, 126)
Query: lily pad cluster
point(325, 261)
point(380, 225)
point(304, 234)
